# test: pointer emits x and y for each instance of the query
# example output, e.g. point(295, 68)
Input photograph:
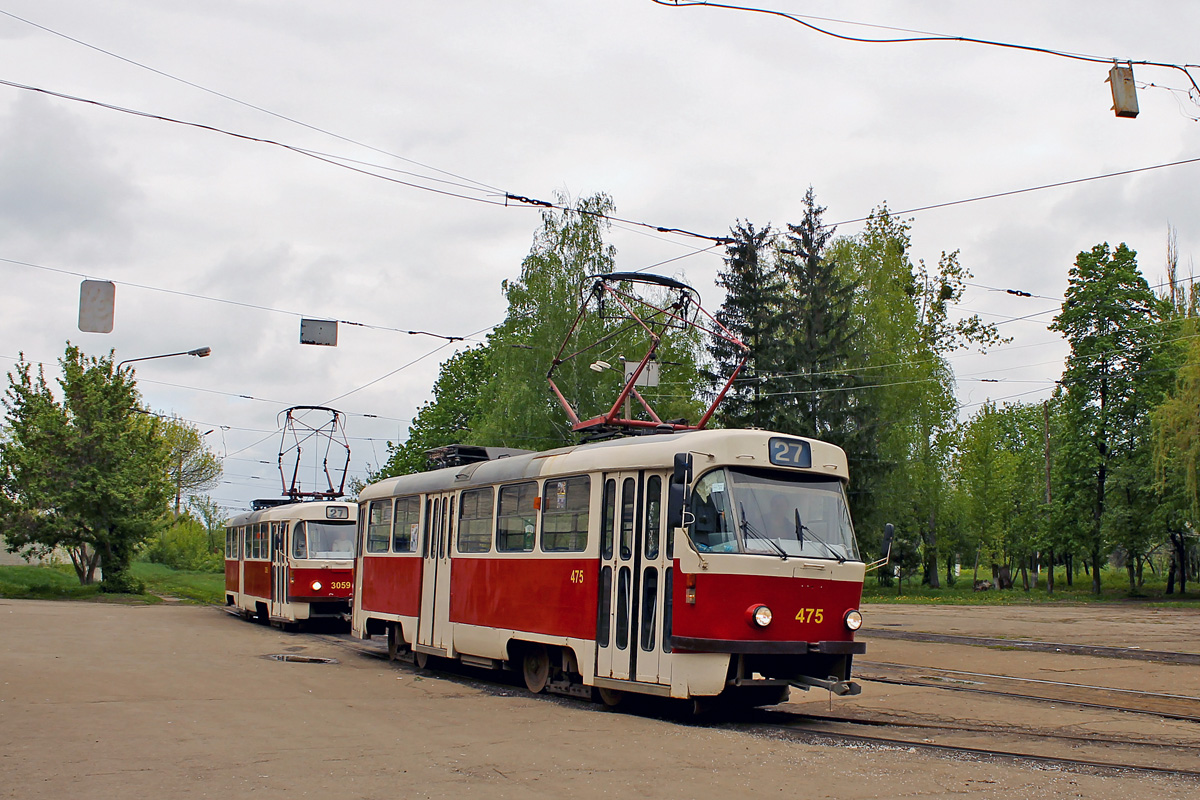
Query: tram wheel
point(610, 697)
point(394, 638)
point(421, 660)
point(536, 667)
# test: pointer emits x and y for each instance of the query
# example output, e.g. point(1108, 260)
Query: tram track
point(829, 736)
point(980, 741)
point(1157, 704)
point(1067, 648)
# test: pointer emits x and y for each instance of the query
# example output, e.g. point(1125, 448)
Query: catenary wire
point(244, 103)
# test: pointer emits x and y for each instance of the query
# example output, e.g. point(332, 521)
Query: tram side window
point(565, 509)
point(379, 526)
point(475, 521)
point(408, 520)
point(516, 518)
point(260, 540)
point(230, 543)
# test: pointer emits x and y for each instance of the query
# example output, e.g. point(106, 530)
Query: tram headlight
point(316, 586)
point(759, 616)
point(853, 619)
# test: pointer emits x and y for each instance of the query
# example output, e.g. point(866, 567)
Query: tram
point(692, 564)
point(291, 562)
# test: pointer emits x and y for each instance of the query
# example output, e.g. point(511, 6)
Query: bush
point(122, 582)
point(184, 546)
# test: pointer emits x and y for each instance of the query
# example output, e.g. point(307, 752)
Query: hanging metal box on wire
point(1123, 91)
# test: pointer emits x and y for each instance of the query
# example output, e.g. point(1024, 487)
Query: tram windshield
point(782, 514)
point(323, 540)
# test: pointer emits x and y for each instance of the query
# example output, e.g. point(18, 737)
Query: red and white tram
point(292, 562)
point(692, 565)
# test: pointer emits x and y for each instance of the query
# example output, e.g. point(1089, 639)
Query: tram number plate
point(576, 576)
point(806, 615)
point(789, 452)
point(340, 585)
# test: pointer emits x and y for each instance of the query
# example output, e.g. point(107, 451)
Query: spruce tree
point(754, 290)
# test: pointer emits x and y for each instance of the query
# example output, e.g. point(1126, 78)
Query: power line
point(240, 303)
point(244, 103)
point(923, 36)
point(509, 199)
point(1022, 191)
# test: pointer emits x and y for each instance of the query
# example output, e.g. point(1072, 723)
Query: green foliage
point(192, 466)
point(498, 394)
point(901, 352)
point(184, 546)
point(447, 418)
point(86, 474)
point(754, 293)
point(212, 516)
point(1116, 372)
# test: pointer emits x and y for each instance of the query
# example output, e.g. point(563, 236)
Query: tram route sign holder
point(680, 310)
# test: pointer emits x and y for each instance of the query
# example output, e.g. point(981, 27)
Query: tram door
point(650, 605)
point(434, 623)
point(632, 558)
point(279, 567)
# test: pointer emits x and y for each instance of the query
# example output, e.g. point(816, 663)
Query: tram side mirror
point(677, 491)
point(889, 532)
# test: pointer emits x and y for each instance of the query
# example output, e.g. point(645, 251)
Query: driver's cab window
point(713, 529)
point(299, 541)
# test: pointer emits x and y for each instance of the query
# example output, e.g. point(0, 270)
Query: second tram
point(292, 562)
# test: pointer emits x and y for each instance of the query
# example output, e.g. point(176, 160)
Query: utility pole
point(1046, 440)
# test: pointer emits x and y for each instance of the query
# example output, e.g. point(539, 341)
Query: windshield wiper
point(801, 528)
point(749, 531)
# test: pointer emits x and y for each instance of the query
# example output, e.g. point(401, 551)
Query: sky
point(689, 118)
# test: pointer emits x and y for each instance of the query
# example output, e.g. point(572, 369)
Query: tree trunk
point(1096, 569)
point(1024, 575)
point(1129, 570)
point(1070, 559)
point(1050, 572)
point(931, 546)
point(1171, 571)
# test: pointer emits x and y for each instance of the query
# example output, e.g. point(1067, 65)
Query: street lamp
point(199, 352)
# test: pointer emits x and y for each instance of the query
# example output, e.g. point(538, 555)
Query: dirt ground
point(104, 701)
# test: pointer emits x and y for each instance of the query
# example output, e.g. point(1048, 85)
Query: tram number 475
point(811, 615)
point(576, 576)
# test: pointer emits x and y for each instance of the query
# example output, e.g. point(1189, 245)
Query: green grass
point(1114, 588)
point(59, 583)
point(43, 583)
point(198, 587)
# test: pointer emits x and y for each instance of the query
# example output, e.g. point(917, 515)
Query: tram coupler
point(840, 688)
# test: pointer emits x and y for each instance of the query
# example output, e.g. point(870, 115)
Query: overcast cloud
point(687, 117)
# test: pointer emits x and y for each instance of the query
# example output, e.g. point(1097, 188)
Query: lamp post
point(199, 352)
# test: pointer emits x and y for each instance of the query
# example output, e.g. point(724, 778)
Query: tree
point(754, 290)
point(517, 408)
point(211, 515)
point(87, 474)
point(193, 467)
point(448, 418)
point(906, 336)
point(1114, 375)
